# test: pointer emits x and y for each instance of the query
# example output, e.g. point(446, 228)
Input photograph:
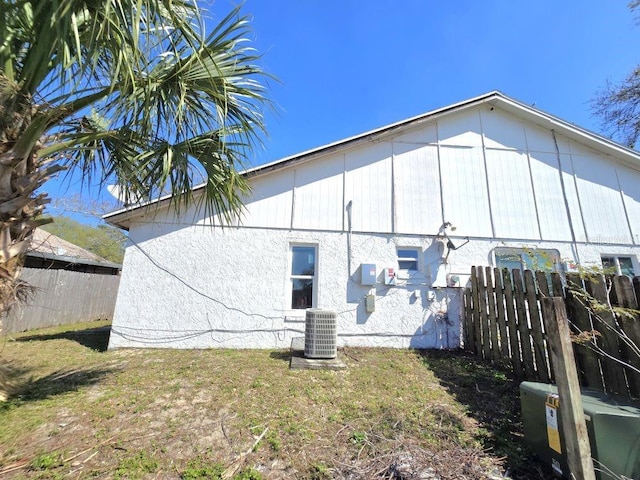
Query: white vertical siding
point(602, 206)
point(540, 139)
point(512, 203)
point(464, 191)
point(519, 196)
point(502, 130)
point(318, 202)
point(270, 202)
point(417, 189)
point(563, 144)
point(630, 185)
point(552, 211)
point(462, 129)
point(368, 186)
point(571, 193)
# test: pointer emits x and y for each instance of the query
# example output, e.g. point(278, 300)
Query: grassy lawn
point(83, 412)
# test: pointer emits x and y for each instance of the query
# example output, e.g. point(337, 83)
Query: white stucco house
point(382, 228)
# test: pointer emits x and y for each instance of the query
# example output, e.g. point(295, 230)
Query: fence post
point(573, 425)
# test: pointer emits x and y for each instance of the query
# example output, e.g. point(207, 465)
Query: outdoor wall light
point(450, 244)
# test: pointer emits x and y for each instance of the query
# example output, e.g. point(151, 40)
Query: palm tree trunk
point(20, 205)
point(19, 208)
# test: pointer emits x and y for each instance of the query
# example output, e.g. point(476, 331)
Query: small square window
point(408, 259)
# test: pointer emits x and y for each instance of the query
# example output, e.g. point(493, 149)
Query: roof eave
point(73, 260)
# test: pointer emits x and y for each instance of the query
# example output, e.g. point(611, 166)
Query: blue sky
point(348, 66)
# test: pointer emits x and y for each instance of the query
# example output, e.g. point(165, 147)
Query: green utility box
point(613, 425)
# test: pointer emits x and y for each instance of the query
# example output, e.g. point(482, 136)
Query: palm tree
point(131, 91)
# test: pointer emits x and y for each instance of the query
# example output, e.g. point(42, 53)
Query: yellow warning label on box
point(553, 434)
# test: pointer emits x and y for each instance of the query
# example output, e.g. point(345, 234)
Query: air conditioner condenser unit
point(321, 334)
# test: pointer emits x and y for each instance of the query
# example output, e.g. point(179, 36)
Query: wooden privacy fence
point(503, 323)
point(63, 296)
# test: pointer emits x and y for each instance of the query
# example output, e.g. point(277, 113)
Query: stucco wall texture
point(200, 301)
point(504, 179)
point(205, 300)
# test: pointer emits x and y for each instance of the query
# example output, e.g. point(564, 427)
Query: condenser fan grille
point(320, 335)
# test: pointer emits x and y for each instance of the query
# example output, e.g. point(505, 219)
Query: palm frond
point(134, 90)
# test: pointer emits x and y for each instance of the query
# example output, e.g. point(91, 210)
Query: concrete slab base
point(298, 360)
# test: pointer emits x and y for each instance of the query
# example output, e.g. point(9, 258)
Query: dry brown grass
point(402, 414)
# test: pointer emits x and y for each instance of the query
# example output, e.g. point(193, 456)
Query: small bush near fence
point(504, 324)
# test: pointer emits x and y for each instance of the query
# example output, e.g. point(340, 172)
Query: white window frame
point(292, 277)
point(616, 260)
point(415, 259)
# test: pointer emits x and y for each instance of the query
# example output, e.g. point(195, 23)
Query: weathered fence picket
point(504, 323)
point(493, 325)
point(512, 324)
point(467, 333)
point(629, 323)
point(537, 333)
point(484, 315)
point(588, 363)
point(523, 325)
point(544, 291)
point(476, 321)
point(501, 313)
point(608, 341)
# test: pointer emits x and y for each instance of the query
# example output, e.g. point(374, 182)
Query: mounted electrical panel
point(368, 274)
point(389, 276)
point(370, 303)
